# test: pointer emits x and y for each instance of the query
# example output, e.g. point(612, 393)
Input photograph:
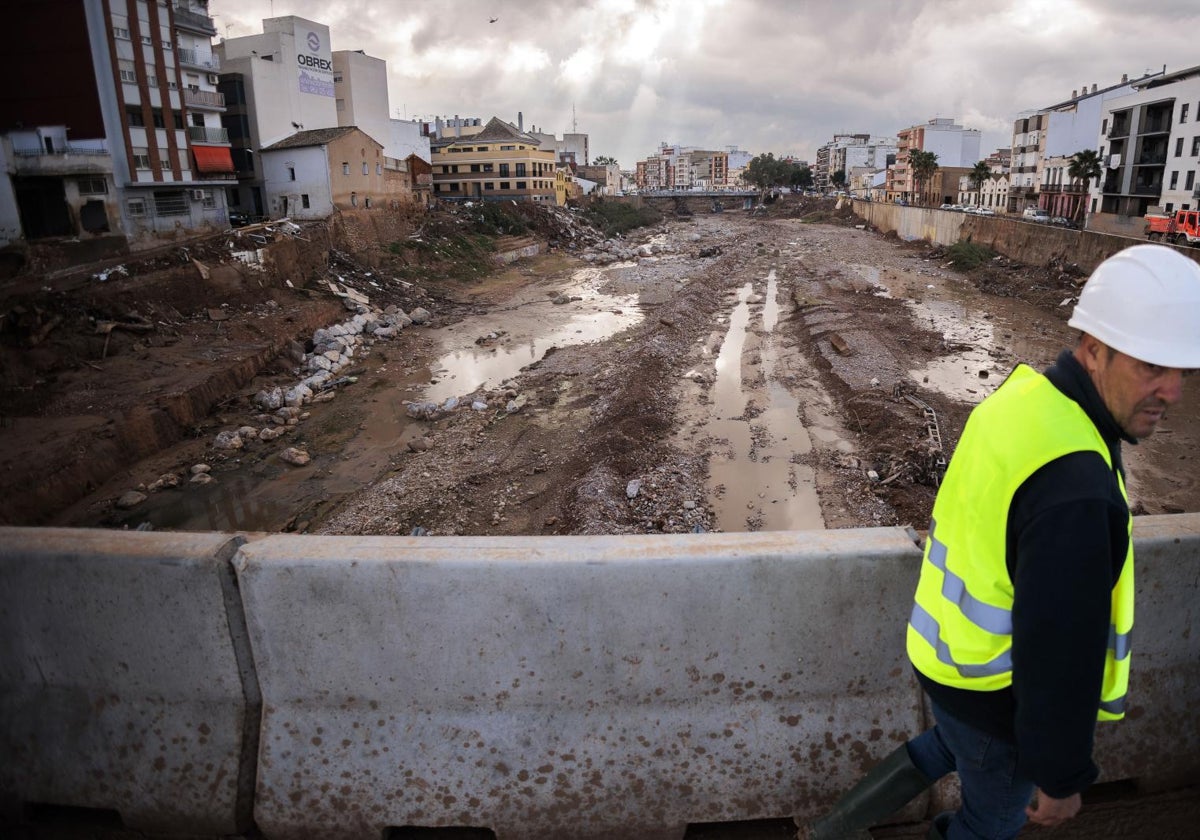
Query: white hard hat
point(1145, 303)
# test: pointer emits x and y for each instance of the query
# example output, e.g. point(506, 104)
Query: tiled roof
point(311, 137)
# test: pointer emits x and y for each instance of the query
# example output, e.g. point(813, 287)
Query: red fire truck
point(1181, 228)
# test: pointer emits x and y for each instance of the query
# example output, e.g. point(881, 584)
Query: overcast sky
point(776, 76)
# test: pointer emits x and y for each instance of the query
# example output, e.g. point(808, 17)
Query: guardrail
point(537, 687)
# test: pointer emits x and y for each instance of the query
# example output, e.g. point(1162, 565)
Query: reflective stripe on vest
point(960, 631)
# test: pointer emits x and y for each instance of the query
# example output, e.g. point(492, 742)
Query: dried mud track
point(858, 314)
point(602, 415)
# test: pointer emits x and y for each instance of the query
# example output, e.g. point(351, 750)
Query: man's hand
point(1048, 811)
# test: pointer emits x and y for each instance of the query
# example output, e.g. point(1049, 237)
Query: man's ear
point(1090, 352)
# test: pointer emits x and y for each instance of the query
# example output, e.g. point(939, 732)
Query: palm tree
point(1085, 165)
point(978, 175)
point(923, 165)
point(604, 160)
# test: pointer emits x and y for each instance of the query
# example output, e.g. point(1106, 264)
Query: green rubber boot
point(886, 789)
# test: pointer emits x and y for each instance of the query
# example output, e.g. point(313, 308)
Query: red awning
point(213, 159)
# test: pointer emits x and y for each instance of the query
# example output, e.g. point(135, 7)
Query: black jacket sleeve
point(1068, 523)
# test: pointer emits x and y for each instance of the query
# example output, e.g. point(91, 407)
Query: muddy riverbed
point(800, 378)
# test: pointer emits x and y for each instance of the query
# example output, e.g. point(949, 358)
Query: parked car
point(984, 211)
point(1036, 214)
point(946, 207)
point(238, 219)
point(1063, 221)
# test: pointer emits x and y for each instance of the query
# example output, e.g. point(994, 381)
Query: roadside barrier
point(125, 680)
point(533, 687)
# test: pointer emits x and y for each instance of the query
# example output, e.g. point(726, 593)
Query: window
point(454, 167)
point(345, 168)
point(127, 72)
point(504, 185)
point(508, 148)
point(121, 32)
point(151, 76)
point(379, 169)
point(489, 185)
point(365, 171)
point(136, 207)
point(141, 158)
point(304, 200)
point(341, 104)
point(209, 202)
point(474, 167)
point(1190, 181)
point(504, 170)
point(520, 170)
point(1196, 146)
point(134, 116)
point(1170, 206)
point(487, 167)
point(1183, 111)
point(92, 186)
point(291, 173)
point(172, 203)
point(1179, 147)
point(337, 77)
point(156, 116)
point(353, 199)
point(147, 40)
point(367, 201)
point(1174, 180)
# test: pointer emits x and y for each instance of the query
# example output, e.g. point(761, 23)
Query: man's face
point(1136, 393)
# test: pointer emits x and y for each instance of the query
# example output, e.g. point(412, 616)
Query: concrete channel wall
point(537, 687)
point(1031, 243)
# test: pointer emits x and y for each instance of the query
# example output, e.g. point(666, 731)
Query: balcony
point(1157, 158)
point(204, 99)
point(73, 160)
point(1120, 129)
point(200, 60)
point(187, 19)
point(204, 134)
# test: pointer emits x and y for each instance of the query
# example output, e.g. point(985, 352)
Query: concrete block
point(574, 686)
point(125, 678)
point(1158, 742)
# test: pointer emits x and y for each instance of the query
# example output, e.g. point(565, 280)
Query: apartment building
point(276, 83)
point(955, 146)
point(500, 162)
point(1150, 144)
point(1054, 132)
point(123, 142)
point(848, 152)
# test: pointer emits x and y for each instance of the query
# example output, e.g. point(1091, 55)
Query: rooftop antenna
point(574, 125)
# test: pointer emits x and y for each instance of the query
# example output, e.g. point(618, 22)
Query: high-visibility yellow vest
point(960, 632)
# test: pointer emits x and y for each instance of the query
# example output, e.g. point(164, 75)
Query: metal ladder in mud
point(931, 426)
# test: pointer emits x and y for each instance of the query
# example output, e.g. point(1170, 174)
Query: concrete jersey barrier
point(125, 678)
point(573, 686)
point(537, 687)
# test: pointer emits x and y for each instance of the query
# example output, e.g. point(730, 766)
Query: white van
point(1036, 214)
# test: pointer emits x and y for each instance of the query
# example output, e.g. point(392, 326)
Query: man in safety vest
point(1020, 632)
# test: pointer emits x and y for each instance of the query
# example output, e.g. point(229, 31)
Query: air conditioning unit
point(197, 195)
point(213, 78)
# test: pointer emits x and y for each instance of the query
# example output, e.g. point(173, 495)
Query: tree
point(801, 176)
point(923, 165)
point(1085, 165)
point(838, 178)
point(764, 171)
point(605, 160)
point(980, 173)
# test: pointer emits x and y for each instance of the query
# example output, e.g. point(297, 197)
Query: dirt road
point(785, 379)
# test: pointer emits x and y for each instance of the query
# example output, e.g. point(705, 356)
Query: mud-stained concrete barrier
point(125, 678)
point(590, 686)
point(539, 687)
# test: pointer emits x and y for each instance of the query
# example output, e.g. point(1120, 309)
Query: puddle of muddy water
point(264, 496)
point(755, 482)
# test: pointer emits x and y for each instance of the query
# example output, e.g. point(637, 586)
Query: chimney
point(520, 121)
point(457, 126)
point(1093, 87)
point(1124, 78)
point(1074, 94)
